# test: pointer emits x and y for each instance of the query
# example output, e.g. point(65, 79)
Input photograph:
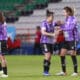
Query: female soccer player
point(47, 30)
point(70, 34)
point(3, 46)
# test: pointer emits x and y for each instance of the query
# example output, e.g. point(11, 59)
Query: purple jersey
point(69, 29)
point(3, 32)
point(49, 27)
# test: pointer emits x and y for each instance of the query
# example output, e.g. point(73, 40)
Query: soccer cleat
point(61, 74)
point(4, 76)
point(46, 74)
point(74, 74)
point(1, 72)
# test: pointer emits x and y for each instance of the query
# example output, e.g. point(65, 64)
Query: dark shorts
point(47, 48)
point(60, 45)
point(3, 47)
point(69, 45)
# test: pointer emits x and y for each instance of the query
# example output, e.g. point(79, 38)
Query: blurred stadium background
point(25, 15)
point(22, 17)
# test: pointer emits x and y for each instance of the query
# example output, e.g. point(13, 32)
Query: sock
point(63, 63)
point(5, 70)
point(74, 59)
point(46, 66)
point(0, 67)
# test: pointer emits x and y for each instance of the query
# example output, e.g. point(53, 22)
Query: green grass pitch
point(30, 68)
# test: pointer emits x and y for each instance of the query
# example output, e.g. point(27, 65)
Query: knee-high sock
point(46, 65)
point(4, 70)
point(74, 59)
point(63, 63)
point(0, 67)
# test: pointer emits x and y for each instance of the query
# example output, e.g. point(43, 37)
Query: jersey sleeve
point(43, 27)
point(5, 30)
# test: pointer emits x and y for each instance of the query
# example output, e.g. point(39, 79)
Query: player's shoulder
point(4, 24)
point(43, 23)
point(72, 18)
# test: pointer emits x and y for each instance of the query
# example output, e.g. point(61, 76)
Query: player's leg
point(1, 70)
point(0, 67)
point(3, 60)
point(47, 63)
point(35, 49)
point(47, 58)
point(63, 63)
point(63, 51)
point(4, 66)
point(74, 59)
point(39, 49)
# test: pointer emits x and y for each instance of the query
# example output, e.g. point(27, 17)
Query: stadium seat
point(41, 3)
point(29, 7)
point(55, 1)
point(12, 1)
point(17, 13)
point(6, 7)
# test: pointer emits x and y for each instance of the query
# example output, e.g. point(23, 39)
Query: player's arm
point(57, 30)
point(4, 31)
point(43, 31)
point(71, 25)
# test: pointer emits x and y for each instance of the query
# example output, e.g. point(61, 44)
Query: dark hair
point(69, 10)
point(49, 13)
point(38, 27)
point(1, 18)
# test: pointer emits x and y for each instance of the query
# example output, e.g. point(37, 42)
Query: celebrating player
point(47, 30)
point(70, 34)
point(3, 47)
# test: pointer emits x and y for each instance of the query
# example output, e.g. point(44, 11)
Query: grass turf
point(30, 68)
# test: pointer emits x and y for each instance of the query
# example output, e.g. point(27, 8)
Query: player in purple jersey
point(3, 47)
point(70, 34)
point(47, 30)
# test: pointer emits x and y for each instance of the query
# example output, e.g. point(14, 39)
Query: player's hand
point(60, 22)
point(57, 28)
point(57, 32)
